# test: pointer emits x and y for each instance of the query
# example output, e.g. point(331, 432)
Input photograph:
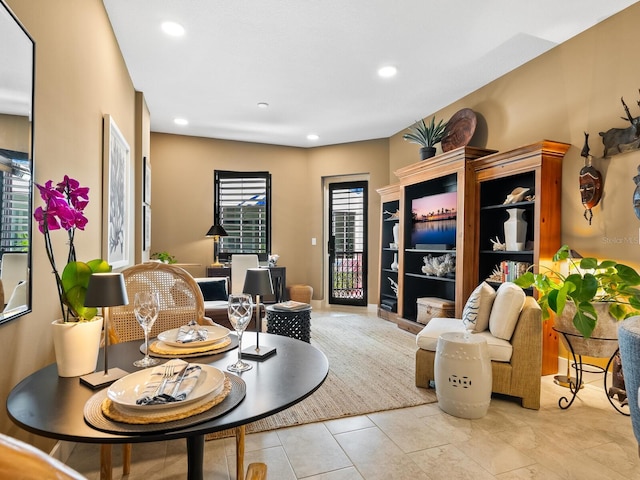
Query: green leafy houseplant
point(64, 207)
point(426, 135)
point(591, 282)
point(164, 257)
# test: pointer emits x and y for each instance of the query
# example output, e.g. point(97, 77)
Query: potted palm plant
point(591, 297)
point(427, 136)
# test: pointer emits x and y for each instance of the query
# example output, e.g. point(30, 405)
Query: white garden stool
point(463, 374)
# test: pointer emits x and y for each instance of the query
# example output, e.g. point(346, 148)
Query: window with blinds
point(243, 208)
point(15, 208)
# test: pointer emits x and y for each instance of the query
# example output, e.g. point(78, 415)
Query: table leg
point(105, 462)
point(195, 457)
point(240, 453)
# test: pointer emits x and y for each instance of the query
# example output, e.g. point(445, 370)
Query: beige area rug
point(371, 369)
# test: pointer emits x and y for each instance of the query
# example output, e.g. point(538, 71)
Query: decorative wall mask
point(618, 140)
point(590, 182)
point(636, 194)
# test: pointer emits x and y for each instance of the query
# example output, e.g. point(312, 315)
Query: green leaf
point(627, 274)
point(525, 280)
point(75, 281)
point(588, 263)
point(562, 253)
point(585, 319)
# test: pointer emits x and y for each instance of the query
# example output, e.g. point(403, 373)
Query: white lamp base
point(101, 379)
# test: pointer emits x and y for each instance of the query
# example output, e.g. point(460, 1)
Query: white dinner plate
point(127, 390)
point(215, 333)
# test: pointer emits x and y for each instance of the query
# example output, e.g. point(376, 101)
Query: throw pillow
point(476, 312)
point(214, 290)
point(506, 310)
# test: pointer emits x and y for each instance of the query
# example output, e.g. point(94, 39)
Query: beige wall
point(182, 197)
point(80, 75)
point(14, 133)
point(576, 87)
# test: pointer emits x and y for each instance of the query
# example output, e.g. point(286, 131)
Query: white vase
point(396, 229)
point(76, 346)
point(515, 230)
point(394, 265)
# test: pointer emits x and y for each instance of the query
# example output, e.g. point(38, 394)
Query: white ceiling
point(315, 61)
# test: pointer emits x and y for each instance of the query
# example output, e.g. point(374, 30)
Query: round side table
point(290, 323)
point(463, 375)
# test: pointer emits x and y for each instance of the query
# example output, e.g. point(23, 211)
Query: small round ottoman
point(463, 375)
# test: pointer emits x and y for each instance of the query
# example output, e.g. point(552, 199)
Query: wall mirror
point(16, 164)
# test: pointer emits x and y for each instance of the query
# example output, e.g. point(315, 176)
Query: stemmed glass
point(146, 306)
point(240, 310)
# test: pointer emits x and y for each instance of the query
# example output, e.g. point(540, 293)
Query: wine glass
point(240, 310)
point(146, 306)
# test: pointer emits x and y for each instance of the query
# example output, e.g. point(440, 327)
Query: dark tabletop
point(52, 406)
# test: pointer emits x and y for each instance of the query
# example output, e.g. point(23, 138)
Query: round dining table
point(52, 406)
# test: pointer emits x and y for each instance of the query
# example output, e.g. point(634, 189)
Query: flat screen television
point(433, 221)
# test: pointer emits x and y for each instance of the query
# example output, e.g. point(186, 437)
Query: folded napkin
point(191, 333)
point(175, 388)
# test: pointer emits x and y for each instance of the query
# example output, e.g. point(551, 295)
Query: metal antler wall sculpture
point(618, 140)
point(590, 182)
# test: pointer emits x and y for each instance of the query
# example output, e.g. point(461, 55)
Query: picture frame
point(116, 195)
point(146, 237)
point(146, 187)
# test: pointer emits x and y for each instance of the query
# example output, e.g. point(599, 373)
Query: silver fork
point(169, 370)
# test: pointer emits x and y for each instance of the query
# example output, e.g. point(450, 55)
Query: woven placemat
point(181, 353)
point(98, 404)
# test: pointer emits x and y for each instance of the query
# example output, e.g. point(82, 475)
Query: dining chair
point(240, 263)
point(22, 460)
point(181, 301)
point(13, 271)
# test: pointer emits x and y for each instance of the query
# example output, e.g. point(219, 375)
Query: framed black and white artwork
point(116, 173)
point(146, 188)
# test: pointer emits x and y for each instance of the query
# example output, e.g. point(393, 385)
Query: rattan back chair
point(181, 300)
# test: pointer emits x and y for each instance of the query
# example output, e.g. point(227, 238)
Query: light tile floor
point(590, 440)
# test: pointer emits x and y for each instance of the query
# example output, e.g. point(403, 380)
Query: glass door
point(348, 243)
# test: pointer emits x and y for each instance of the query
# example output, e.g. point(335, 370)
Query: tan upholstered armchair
point(520, 376)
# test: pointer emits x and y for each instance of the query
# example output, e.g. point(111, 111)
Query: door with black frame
point(348, 243)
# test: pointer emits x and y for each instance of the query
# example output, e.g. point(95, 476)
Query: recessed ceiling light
point(263, 105)
point(388, 71)
point(312, 137)
point(181, 121)
point(172, 28)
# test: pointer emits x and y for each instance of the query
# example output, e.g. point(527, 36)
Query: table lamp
point(216, 231)
point(105, 290)
point(258, 282)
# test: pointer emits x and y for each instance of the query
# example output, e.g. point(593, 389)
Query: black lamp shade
point(106, 290)
point(216, 230)
point(258, 282)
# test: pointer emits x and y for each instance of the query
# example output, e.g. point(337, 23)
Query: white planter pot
point(76, 346)
point(603, 341)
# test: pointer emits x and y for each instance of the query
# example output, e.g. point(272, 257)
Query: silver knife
point(179, 381)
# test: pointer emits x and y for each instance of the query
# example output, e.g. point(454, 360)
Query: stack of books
point(290, 306)
point(390, 305)
point(510, 270)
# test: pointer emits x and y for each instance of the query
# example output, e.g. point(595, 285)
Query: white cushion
point(499, 349)
point(427, 339)
point(506, 310)
point(216, 304)
point(477, 310)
